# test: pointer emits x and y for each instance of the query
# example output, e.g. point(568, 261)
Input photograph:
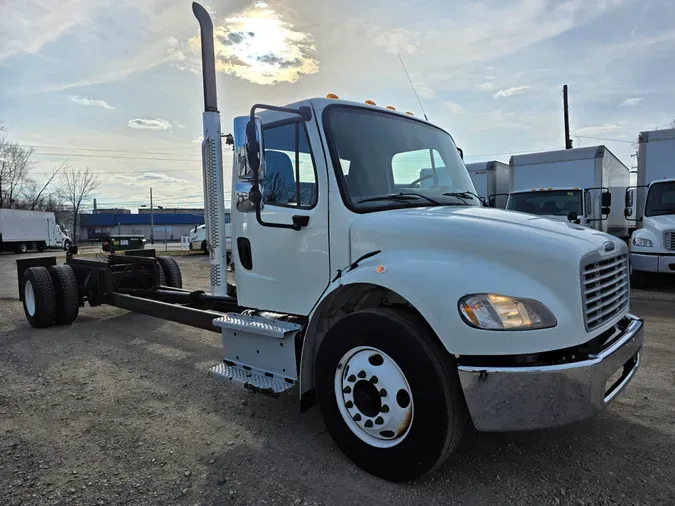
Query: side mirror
point(572, 216)
point(254, 150)
point(629, 198)
point(628, 212)
point(606, 200)
point(606, 211)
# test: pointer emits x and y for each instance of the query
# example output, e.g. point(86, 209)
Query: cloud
point(198, 140)
point(629, 102)
point(258, 45)
point(178, 125)
point(454, 107)
point(599, 129)
point(90, 101)
point(509, 92)
point(149, 124)
point(486, 86)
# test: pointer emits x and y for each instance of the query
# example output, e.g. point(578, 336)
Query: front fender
point(434, 281)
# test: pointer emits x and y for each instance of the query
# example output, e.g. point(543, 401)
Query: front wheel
point(66, 245)
point(389, 394)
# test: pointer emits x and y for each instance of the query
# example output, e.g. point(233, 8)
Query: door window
point(289, 167)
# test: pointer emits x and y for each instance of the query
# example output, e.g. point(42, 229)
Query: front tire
point(66, 245)
point(389, 394)
point(205, 249)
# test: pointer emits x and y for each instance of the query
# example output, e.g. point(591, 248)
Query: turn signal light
point(332, 95)
point(370, 102)
point(409, 113)
point(391, 107)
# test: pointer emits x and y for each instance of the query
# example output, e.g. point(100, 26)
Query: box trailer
point(401, 310)
point(650, 206)
point(21, 231)
point(493, 181)
point(578, 185)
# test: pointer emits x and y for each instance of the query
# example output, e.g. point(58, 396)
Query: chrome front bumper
point(536, 397)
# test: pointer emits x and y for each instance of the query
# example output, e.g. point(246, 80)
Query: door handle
point(300, 221)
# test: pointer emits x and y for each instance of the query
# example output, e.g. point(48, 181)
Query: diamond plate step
point(251, 380)
point(256, 325)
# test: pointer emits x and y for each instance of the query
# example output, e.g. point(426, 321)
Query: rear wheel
point(22, 247)
point(389, 394)
point(41, 247)
point(39, 301)
point(171, 272)
point(67, 294)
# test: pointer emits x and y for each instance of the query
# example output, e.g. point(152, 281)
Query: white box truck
point(493, 181)
point(577, 185)
point(21, 231)
point(651, 206)
point(400, 310)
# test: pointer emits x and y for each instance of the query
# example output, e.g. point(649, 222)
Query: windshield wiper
point(400, 196)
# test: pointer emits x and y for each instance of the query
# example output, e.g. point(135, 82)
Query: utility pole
point(152, 221)
point(566, 113)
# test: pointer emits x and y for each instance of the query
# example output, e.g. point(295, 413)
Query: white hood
point(473, 228)
point(663, 223)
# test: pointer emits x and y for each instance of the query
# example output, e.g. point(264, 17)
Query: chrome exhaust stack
point(212, 159)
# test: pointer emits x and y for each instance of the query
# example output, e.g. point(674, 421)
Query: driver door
point(289, 269)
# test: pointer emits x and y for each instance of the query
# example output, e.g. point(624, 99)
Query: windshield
point(661, 199)
point(546, 203)
point(387, 161)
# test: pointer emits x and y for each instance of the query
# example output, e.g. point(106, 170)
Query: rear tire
point(22, 248)
point(171, 272)
point(41, 247)
point(435, 413)
point(39, 301)
point(67, 294)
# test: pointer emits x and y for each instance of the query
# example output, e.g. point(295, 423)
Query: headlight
point(642, 243)
point(497, 312)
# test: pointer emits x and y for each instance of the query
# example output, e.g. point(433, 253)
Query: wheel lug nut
point(347, 390)
point(362, 374)
point(383, 393)
point(351, 378)
point(384, 408)
point(368, 424)
point(357, 417)
point(349, 404)
point(379, 420)
point(373, 379)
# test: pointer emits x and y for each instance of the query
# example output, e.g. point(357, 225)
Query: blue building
point(169, 226)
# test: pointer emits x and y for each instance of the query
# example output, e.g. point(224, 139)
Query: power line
point(605, 139)
point(194, 157)
point(127, 151)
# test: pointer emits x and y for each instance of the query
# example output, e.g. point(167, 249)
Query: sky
point(115, 85)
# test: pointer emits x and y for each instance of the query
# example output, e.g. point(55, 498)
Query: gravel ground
point(118, 409)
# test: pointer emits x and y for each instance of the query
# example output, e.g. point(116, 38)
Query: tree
point(76, 185)
point(34, 196)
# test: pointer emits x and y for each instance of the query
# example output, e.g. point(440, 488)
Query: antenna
point(412, 86)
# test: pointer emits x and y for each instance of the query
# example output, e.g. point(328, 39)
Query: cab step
point(251, 380)
point(259, 351)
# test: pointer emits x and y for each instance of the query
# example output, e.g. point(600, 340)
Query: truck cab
point(653, 244)
point(566, 204)
point(62, 239)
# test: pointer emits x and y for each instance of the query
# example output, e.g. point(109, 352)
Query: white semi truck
point(651, 206)
point(577, 185)
point(21, 231)
point(493, 181)
point(403, 310)
point(197, 237)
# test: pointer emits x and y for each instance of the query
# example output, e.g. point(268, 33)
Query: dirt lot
point(118, 409)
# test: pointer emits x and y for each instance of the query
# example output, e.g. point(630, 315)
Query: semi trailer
point(405, 311)
point(577, 185)
point(493, 181)
point(650, 206)
point(21, 231)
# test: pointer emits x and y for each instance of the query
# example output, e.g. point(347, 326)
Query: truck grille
point(605, 288)
point(669, 240)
